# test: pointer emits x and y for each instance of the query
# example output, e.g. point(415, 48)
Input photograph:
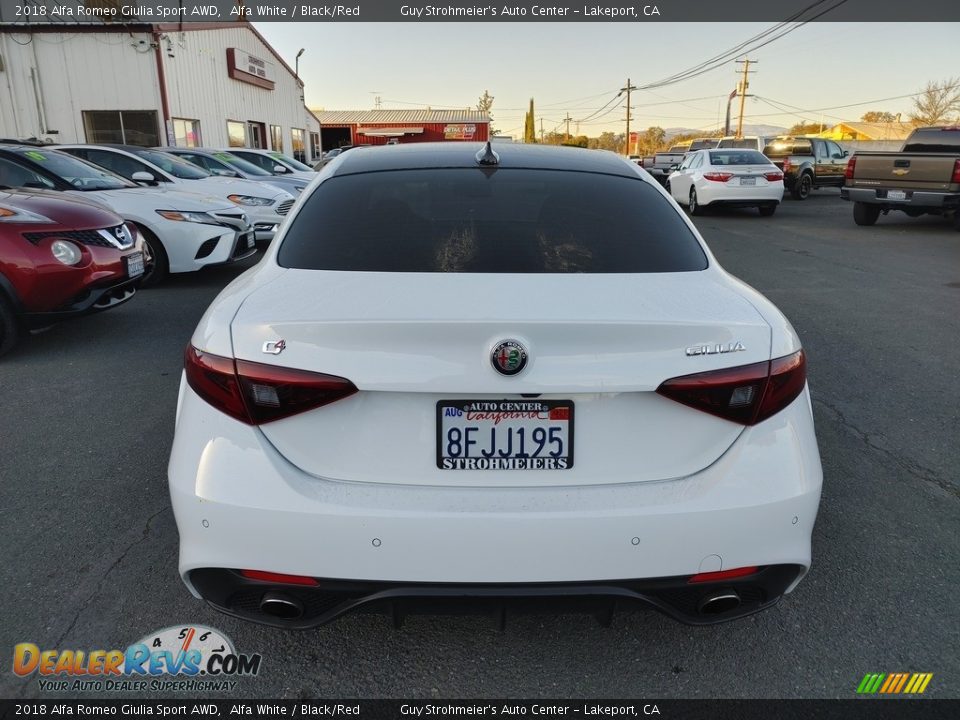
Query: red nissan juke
point(60, 258)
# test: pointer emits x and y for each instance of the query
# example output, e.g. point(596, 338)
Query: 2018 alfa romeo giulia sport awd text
point(471, 377)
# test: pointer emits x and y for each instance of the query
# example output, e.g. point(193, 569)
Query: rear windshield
point(741, 143)
point(783, 148)
point(703, 144)
point(506, 221)
point(738, 157)
point(933, 141)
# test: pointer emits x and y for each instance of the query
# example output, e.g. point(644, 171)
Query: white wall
point(78, 71)
point(116, 71)
point(198, 87)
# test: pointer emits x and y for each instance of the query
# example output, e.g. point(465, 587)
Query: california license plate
point(505, 434)
point(134, 265)
point(896, 194)
point(748, 181)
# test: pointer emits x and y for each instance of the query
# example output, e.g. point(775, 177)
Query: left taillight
point(254, 393)
point(748, 394)
point(717, 176)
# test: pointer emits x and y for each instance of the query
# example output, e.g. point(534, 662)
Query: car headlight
point(185, 216)
point(16, 215)
point(66, 252)
point(249, 200)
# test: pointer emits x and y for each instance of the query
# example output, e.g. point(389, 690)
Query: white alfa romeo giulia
point(492, 378)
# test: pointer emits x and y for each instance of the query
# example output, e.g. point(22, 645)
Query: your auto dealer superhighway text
point(553, 710)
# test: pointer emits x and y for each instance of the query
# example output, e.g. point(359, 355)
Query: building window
point(126, 127)
point(314, 146)
point(186, 133)
point(276, 138)
point(237, 133)
point(296, 136)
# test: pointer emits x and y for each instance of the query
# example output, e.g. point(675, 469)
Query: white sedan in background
point(731, 176)
point(382, 411)
point(265, 205)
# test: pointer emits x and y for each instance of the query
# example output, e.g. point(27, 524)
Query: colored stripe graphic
point(894, 683)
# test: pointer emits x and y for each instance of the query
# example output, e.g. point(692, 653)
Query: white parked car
point(731, 177)
point(463, 375)
point(265, 205)
point(273, 162)
point(217, 162)
point(182, 231)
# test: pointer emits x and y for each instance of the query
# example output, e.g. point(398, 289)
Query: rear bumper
point(716, 194)
point(914, 199)
point(240, 505)
point(308, 606)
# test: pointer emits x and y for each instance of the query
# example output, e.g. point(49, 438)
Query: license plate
point(134, 265)
point(505, 434)
point(748, 181)
point(896, 194)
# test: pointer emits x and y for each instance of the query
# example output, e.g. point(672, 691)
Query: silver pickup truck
point(665, 163)
point(923, 178)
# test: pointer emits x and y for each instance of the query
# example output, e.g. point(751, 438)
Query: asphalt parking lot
point(90, 545)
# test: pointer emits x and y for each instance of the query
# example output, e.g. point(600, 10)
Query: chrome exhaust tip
point(719, 602)
point(281, 606)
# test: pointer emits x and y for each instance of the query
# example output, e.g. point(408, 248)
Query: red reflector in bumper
point(278, 578)
point(723, 574)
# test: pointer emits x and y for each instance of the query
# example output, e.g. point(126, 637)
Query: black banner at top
point(133, 12)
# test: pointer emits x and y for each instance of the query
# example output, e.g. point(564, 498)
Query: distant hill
point(747, 130)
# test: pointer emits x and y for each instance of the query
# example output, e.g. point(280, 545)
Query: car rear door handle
point(901, 163)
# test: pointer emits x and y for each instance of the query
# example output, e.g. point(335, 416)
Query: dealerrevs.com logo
point(186, 658)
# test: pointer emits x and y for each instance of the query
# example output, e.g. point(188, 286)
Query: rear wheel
point(802, 187)
point(694, 205)
point(864, 214)
point(9, 328)
point(767, 210)
point(156, 266)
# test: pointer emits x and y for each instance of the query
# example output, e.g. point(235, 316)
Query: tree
point(937, 103)
point(530, 126)
point(878, 116)
point(651, 140)
point(805, 128)
point(484, 103)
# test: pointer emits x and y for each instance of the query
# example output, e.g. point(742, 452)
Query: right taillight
point(956, 172)
point(851, 166)
point(255, 393)
point(748, 394)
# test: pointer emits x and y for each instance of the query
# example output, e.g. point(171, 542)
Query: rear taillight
point(748, 394)
point(851, 166)
point(956, 172)
point(254, 393)
point(717, 176)
point(774, 176)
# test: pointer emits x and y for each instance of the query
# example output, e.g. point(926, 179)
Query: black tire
point(695, 207)
point(802, 187)
point(864, 214)
point(767, 210)
point(9, 327)
point(156, 266)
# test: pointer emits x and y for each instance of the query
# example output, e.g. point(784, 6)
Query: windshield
point(735, 156)
point(82, 175)
point(173, 165)
point(280, 157)
point(788, 146)
point(468, 221)
point(248, 167)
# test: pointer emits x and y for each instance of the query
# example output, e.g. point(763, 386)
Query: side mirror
point(141, 176)
point(223, 172)
point(845, 153)
point(282, 170)
point(674, 168)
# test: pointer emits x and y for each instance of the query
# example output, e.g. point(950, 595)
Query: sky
point(577, 68)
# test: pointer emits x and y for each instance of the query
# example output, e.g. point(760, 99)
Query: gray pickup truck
point(923, 178)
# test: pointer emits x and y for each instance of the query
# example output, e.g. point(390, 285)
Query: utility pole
point(541, 131)
point(627, 90)
point(744, 84)
point(568, 119)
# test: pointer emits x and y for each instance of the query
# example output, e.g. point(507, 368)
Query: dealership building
point(186, 84)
